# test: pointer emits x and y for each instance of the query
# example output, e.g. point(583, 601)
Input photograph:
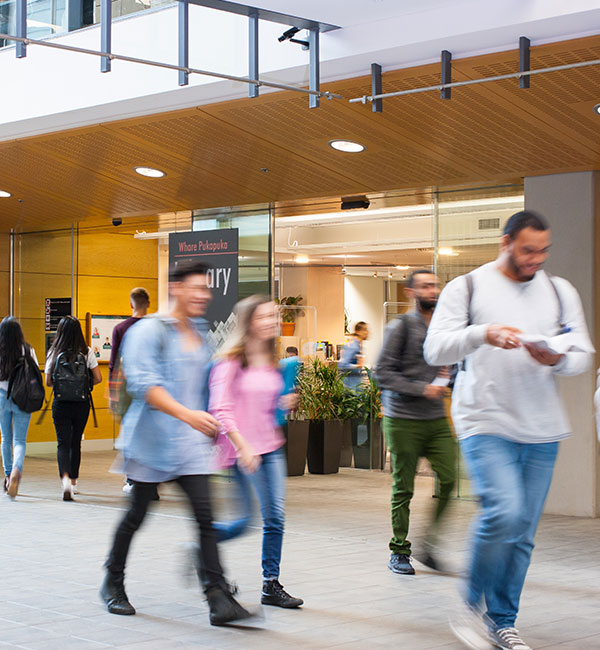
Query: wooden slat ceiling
point(214, 155)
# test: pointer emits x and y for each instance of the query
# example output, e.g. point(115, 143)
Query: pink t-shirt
point(245, 400)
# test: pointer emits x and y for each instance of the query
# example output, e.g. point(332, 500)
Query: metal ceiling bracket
point(253, 72)
point(524, 61)
point(446, 93)
point(314, 101)
point(105, 34)
point(21, 27)
point(376, 87)
point(184, 41)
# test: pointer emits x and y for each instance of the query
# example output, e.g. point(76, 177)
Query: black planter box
point(324, 446)
point(346, 452)
point(296, 443)
point(369, 453)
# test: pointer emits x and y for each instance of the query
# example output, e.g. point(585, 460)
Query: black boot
point(113, 594)
point(274, 594)
point(224, 608)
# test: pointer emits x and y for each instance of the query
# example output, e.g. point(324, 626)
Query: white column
point(571, 203)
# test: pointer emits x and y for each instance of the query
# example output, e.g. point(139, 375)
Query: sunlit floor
point(335, 555)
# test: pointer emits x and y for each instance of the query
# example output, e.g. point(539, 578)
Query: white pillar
point(571, 203)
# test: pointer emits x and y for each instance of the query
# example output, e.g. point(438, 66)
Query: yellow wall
point(108, 265)
point(4, 265)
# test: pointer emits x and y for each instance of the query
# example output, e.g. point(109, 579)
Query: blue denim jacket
point(153, 356)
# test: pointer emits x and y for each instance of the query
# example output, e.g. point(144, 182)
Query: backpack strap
point(562, 325)
point(43, 413)
point(469, 280)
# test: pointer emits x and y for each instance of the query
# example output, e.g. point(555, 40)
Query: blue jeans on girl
point(13, 424)
point(269, 483)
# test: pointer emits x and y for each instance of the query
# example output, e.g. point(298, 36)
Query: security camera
point(290, 33)
point(117, 221)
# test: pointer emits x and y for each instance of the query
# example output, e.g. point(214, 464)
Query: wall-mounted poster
point(54, 310)
point(99, 334)
point(219, 249)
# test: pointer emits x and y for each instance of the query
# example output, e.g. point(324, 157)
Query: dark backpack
point(25, 386)
point(71, 378)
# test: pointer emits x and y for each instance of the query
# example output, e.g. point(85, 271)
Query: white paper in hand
point(440, 381)
point(561, 344)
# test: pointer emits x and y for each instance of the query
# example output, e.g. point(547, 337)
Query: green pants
point(407, 441)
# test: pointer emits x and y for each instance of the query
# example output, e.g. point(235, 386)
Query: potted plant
point(289, 313)
point(324, 399)
point(296, 442)
point(367, 438)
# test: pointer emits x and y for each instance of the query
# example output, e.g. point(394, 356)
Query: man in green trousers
point(414, 420)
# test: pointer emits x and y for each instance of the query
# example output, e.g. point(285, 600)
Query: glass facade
point(49, 17)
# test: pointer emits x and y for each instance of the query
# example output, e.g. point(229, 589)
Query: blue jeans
point(269, 482)
point(512, 480)
point(13, 424)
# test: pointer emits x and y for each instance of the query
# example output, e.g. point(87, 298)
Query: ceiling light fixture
point(5, 195)
point(347, 146)
point(596, 109)
point(150, 172)
point(403, 268)
point(447, 252)
point(302, 259)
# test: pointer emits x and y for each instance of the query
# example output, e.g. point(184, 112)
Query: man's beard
point(517, 270)
point(427, 304)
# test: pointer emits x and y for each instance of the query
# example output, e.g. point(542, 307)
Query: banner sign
point(55, 309)
point(219, 249)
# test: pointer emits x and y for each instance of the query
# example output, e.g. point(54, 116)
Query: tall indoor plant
point(325, 400)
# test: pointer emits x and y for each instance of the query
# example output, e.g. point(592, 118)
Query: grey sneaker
point(469, 627)
point(400, 563)
point(507, 638)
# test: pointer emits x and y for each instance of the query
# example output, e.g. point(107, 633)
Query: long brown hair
point(12, 343)
point(235, 344)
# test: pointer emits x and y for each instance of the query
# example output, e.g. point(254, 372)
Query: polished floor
point(335, 555)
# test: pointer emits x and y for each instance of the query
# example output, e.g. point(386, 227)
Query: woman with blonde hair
point(245, 392)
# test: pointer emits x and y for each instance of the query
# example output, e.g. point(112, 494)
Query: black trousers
point(70, 419)
point(196, 488)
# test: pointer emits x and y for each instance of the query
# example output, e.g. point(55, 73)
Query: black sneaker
point(223, 607)
point(401, 564)
point(274, 594)
point(113, 594)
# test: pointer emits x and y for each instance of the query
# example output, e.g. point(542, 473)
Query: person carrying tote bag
point(14, 422)
point(71, 370)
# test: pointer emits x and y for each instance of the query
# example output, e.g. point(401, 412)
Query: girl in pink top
point(245, 390)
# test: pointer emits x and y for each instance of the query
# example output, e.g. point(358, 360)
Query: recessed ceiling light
point(347, 146)
point(302, 259)
point(596, 109)
point(5, 195)
point(448, 252)
point(150, 172)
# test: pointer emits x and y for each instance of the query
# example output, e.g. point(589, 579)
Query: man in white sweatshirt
point(507, 412)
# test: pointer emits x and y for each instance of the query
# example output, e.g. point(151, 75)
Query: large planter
point(346, 451)
point(296, 443)
point(287, 329)
point(367, 444)
point(324, 446)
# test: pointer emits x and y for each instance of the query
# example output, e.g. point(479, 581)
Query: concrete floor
point(335, 555)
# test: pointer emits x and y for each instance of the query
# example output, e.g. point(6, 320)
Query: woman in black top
point(69, 354)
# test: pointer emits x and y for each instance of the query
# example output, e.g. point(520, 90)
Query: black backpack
point(71, 378)
point(25, 386)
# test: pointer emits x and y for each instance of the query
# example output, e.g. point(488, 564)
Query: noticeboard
point(99, 334)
